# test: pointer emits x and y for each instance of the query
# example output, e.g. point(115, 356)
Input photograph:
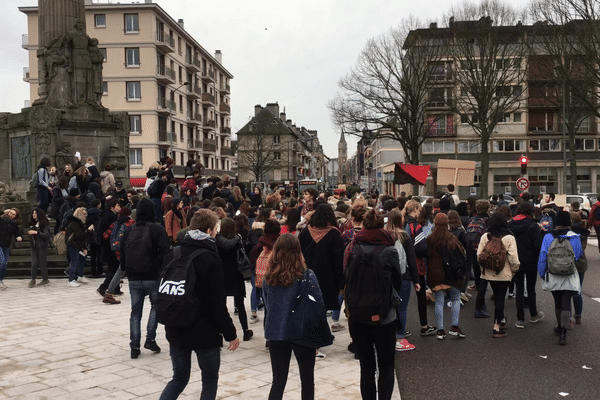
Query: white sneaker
point(82, 279)
point(2, 285)
point(254, 319)
point(73, 284)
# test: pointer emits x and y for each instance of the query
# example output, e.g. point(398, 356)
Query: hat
point(125, 211)
point(441, 219)
point(119, 184)
point(73, 192)
point(563, 218)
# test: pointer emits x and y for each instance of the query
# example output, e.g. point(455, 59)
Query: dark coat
point(528, 236)
point(8, 229)
point(213, 318)
point(40, 240)
point(76, 233)
point(435, 267)
point(234, 281)
point(57, 201)
point(326, 260)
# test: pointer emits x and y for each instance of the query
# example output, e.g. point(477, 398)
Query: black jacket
point(76, 233)
point(528, 236)
point(8, 229)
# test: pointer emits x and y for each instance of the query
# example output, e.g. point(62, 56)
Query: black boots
point(563, 336)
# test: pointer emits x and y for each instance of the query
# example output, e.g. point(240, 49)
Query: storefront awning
point(408, 173)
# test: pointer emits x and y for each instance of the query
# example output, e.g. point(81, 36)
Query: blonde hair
point(80, 214)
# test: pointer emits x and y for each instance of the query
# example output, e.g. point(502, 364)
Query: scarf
point(521, 217)
point(377, 237)
point(264, 241)
point(319, 233)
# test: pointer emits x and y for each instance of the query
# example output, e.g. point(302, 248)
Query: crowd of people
point(290, 238)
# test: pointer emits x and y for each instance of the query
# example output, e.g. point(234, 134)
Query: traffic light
point(524, 161)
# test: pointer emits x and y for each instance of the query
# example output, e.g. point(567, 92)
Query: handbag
point(60, 243)
point(307, 323)
point(243, 262)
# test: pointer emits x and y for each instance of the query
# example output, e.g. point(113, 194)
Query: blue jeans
point(76, 264)
point(6, 252)
point(404, 294)
point(209, 361)
point(43, 197)
point(138, 290)
point(578, 298)
point(440, 299)
point(335, 314)
point(255, 295)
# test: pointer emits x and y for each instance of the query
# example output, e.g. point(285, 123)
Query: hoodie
point(553, 282)
point(528, 235)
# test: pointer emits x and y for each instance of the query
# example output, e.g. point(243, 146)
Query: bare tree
point(256, 151)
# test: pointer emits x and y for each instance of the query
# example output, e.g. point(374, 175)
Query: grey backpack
point(561, 257)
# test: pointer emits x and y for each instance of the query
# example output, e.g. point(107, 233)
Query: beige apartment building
point(176, 93)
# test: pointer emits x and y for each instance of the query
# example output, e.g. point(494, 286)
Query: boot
point(31, 283)
point(563, 336)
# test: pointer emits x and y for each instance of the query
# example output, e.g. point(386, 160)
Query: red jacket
point(592, 221)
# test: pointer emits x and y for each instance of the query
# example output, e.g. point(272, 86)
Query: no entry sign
point(522, 184)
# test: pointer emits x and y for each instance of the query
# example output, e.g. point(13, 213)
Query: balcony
point(225, 88)
point(165, 42)
point(209, 124)
point(209, 145)
point(166, 106)
point(225, 108)
point(193, 92)
point(24, 41)
point(26, 74)
point(165, 75)
point(198, 144)
point(208, 75)
point(226, 151)
point(192, 63)
point(194, 119)
point(226, 131)
point(164, 136)
point(208, 99)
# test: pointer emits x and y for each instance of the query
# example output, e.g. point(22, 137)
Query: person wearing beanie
point(499, 280)
point(436, 278)
point(563, 287)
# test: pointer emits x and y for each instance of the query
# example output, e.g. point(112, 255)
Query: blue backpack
point(547, 223)
point(116, 236)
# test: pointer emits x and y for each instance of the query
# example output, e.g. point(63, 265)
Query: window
point(517, 91)
point(541, 121)
point(103, 52)
point(132, 23)
point(132, 57)
point(503, 91)
point(441, 125)
point(438, 147)
point(504, 118)
point(517, 117)
point(277, 155)
point(472, 146)
point(509, 145)
point(276, 139)
point(104, 88)
point(440, 97)
point(134, 91)
point(135, 124)
point(135, 157)
point(465, 118)
point(582, 144)
point(99, 20)
point(544, 145)
point(464, 92)
point(584, 124)
point(469, 65)
point(440, 71)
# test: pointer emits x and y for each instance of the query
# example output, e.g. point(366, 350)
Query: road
point(527, 364)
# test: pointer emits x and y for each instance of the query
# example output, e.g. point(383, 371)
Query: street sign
point(522, 184)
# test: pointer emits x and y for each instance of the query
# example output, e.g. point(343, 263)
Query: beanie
point(563, 218)
point(441, 219)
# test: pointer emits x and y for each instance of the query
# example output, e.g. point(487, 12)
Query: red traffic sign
point(522, 184)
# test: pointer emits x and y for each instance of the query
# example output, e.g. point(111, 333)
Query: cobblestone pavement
point(58, 342)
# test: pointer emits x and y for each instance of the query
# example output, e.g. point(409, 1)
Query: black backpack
point(138, 249)
point(455, 263)
point(475, 230)
point(368, 292)
point(177, 303)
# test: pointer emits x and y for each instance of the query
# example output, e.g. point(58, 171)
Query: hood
point(104, 174)
point(579, 229)
point(145, 211)
point(95, 188)
point(520, 224)
point(200, 239)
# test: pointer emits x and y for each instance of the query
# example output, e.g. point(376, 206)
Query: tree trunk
point(573, 167)
point(485, 166)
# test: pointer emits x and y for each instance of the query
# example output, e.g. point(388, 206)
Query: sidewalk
point(58, 342)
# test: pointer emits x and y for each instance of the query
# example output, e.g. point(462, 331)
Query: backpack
point(493, 255)
point(138, 249)
point(368, 292)
point(547, 223)
point(116, 236)
point(35, 180)
point(176, 302)
point(153, 188)
point(262, 266)
point(561, 257)
point(475, 231)
point(451, 199)
point(419, 239)
point(402, 255)
point(455, 263)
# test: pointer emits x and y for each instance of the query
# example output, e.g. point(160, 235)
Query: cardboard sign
point(456, 172)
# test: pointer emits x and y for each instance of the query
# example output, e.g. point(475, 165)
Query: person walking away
point(455, 227)
point(108, 179)
point(578, 226)
point(594, 219)
point(494, 271)
point(282, 283)
point(75, 237)
point(143, 248)
point(477, 227)
point(371, 257)
point(106, 220)
point(155, 192)
point(10, 225)
point(212, 319)
point(39, 237)
point(43, 184)
point(94, 213)
point(528, 236)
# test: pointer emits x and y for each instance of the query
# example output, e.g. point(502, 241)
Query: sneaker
point(570, 326)
point(337, 327)
point(2, 285)
point(472, 288)
point(73, 284)
point(440, 334)
point(403, 345)
point(82, 279)
point(464, 298)
point(511, 296)
point(481, 314)
point(540, 315)
point(31, 284)
point(101, 292)
point(430, 330)
point(135, 352)
point(254, 319)
point(407, 334)
point(577, 319)
point(320, 354)
point(498, 333)
point(469, 295)
point(455, 331)
point(152, 346)
point(110, 299)
point(503, 323)
point(248, 335)
point(520, 324)
point(44, 282)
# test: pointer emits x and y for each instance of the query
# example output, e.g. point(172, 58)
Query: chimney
point(219, 56)
point(257, 109)
point(433, 25)
point(282, 116)
point(274, 108)
point(180, 22)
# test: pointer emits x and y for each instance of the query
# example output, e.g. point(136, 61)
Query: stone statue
point(97, 61)
point(64, 156)
point(57, 77)
point(80, 65)
point(7, 195)
point(117, 159)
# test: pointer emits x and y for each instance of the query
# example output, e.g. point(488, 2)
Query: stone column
point(57, 17)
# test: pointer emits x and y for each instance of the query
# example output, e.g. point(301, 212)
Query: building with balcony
point(176, 93)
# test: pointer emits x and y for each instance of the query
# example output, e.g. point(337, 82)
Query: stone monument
point(68, 116)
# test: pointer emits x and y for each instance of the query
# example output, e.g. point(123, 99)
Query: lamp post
point(172, 133)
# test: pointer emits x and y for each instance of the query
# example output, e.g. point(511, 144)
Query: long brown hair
point(395, 225)
point(287, 262)
point(440, 235)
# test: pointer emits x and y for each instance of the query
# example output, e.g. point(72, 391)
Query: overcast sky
point(288, 52)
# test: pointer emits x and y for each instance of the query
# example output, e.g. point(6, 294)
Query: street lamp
point(172, 133)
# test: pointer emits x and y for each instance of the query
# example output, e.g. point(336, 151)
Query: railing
point(163, 37)
point(166, 104)
point(194, 89)
point(225, 88)
point(226, 151)
point(226, 131)
point(165, 71)
point(191, 60)
point(211, 123)
point(208, 73)
point(208, 98)
point(209, 145)
point(224, 108)
point(198, 144)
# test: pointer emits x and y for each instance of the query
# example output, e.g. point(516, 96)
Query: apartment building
point(177, 94)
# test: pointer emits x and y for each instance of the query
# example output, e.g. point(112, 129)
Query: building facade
point(177, 94)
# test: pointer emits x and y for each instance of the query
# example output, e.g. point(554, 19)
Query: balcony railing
point(198, 144)
point(226, 131)
point(225, 88)
point(224, 108)
point(26, 74)
point(165, 136)
point(165, 72)
point(166, 104)
point(226, 151)
point(208, 75)
point(192, 63)
point(209, 145)
point(208, 98)
point(194, 91)
point(210, 123)
point(165, 41)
